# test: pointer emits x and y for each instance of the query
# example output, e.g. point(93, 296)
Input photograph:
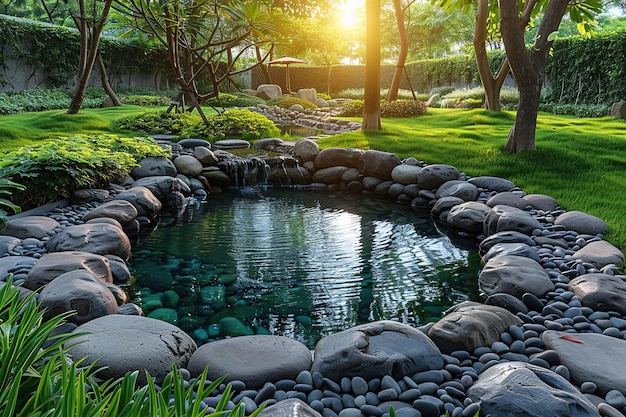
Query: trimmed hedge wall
point(54, 51)
point(588, 70)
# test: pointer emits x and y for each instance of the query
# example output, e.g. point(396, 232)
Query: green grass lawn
point(580, 162)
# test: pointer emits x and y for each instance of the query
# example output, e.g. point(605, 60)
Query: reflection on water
point(307, 264)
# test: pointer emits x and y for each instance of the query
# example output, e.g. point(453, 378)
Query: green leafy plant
point(146, 100)
point(398, 108)
point(55, 169)
point(7, 186)
point(152, 122)
point(235, 123)
point(581, 110)
point(287, 102)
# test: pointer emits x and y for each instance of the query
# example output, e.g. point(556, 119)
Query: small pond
point(300, 263)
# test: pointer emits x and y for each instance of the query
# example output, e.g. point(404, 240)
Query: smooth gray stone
point(600, 253)
point(9, 264)
point(154, 166)
point(338, 157)
point(121, 210)
point(29, 226)
point(330, 175)
point(599, 359)
point(434, 176)
point(267, 144)
point(188, 165)
point(97, 238)
point(162, 186)
point(515, 275)
point(517, 249)
point(231, 144)
point(582, 223)
point(469, 325)
point(374, 350)
point(457, 188)
point(502, 218)
point(7, 244)
point(541, 202)
point(508, 302)
point(378, 164)
point(54, 264)
point(306, 149)
point(146, 203)
point(79, 291)
point(468, 216)
point(87, 195)
point(119, 344)
point(254, 360)
point(193, 142)
point(292, 407)
point(405, 174)
point(518, 389)
point(504, 237)
point(507, 199)
point(601, 292)
point(444, 204)
point(492, 183)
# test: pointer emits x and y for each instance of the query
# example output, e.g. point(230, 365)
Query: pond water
point(298, 263)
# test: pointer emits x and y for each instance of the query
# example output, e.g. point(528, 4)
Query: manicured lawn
point(580, 162)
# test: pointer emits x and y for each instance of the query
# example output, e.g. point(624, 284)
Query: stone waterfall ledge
point(550, 277)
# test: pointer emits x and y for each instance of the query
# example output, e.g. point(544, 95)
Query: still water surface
point(301, 264)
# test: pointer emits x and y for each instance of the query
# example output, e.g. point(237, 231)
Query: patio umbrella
point(287, 61)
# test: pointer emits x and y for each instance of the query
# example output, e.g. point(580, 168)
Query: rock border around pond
point(554, 306)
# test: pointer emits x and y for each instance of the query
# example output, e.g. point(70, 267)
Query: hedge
point(55, 51)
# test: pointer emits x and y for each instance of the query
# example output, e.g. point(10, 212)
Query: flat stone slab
point(254, 360)
point(515, 275)
point(374, 350)
point(29, 226)
point(497, 184)
point(517, 389)
point(119, 344)
point(600, 253)
point(601, 292)
point(591, 357)
point(231, 144)
point(469, 325)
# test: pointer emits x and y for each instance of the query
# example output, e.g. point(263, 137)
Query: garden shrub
point(153, 122)
point(246, 100)
point(398, 108)
point(235, 123)
point(226, 100)
point(442, 91)
point(581, 110)
point(287, 102)
point(146, 100)
point(56, 169)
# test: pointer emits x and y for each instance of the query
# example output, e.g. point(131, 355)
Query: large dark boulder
point(54, 264)
point(98, 238)
point(254, 360)
point(374, 350)
point(518, 389)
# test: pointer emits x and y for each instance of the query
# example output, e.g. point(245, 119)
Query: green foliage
point(585, 110)
point(590, 70)
point(38, 379)
point(152, 122)
point(146, 100)
point(398, 108)
point(287, 102)
point(226, 100)
point(7, 187)
point(53, 50)
point(54, 170)
point(442, 91)
point(235, 123)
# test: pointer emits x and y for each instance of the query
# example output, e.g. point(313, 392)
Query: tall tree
point(90, 24)
point(392, 95)
point(371, 104)
point(208, 42)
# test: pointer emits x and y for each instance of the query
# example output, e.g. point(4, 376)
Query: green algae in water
point(298, 263)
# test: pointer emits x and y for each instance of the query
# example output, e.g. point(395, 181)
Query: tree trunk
point(371, 104)
point(404, 48)
point(104, 78)
point(528, 67)
point(90, 39)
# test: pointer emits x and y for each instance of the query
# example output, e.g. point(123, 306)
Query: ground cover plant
point(580, 162)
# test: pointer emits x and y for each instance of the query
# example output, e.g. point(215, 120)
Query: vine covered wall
point(36, 54)
point(588, 70)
